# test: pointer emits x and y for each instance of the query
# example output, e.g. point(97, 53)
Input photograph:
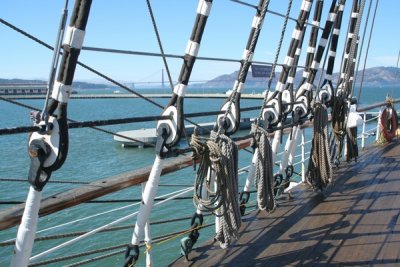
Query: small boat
point(147, 137)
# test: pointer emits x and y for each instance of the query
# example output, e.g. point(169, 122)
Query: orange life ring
point(389, 132)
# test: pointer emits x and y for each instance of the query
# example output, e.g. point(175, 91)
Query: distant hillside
point(378, 76)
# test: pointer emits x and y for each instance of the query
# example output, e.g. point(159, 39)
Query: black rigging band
point(304, 93)
point(61, 91)
point(229, 122)
point(175, 105)
point(273, 115)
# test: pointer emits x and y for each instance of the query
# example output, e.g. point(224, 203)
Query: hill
point(377, 76)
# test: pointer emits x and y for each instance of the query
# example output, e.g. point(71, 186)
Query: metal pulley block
point(172, 125)
point(304, 89)
point(131, 255)
point(287, 101)
point(229, 122)
point(270, 114)
point(340, 90)
point(325, 93)
point(52, 140)
point(301, 107)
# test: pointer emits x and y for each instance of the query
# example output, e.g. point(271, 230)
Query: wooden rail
point(12, 216)
point(60, 201)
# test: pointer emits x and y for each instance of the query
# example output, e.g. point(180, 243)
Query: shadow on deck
point(355, 222)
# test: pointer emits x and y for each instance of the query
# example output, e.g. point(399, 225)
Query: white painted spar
point(275, 143)
point(148, 242)
point(293, 146)
point(251, 171)
point(149, 194)
point(27, 230)
point(147, 236)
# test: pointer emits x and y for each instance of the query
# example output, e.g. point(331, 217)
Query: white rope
point(72, 241)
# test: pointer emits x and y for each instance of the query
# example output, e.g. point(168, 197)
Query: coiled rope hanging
point(168, 134)
point(225, 204)
point(264, 178)
point(218, 159)
point(319, 173)
point(339, 108)
point(261, 169)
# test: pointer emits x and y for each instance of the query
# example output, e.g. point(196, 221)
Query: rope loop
point(264, 179)
point(216, 183)
point(319, 173)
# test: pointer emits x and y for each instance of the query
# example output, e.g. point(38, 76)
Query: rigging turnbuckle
point(244, 199)
point(131, 255)
point(43, 150)
point(188, 242)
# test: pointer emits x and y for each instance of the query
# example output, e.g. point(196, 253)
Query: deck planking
point(355, 222)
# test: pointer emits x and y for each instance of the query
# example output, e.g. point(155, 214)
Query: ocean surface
point(95, 155)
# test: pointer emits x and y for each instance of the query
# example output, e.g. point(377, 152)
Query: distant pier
point(94, 96)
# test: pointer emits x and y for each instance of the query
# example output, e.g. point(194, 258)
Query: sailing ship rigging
point(316, 102)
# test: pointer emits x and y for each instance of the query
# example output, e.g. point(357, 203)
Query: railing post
point(363, 131)
point(303, 157)
point(378, 127)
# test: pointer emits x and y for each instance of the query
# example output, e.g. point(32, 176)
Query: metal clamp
point(230, 122)
point(278, 179)
point(163, 132)
point(188, 242)
point(38, 151)
point(131, 258)
point(270, 114)
point(244, 199)
point(325, 94)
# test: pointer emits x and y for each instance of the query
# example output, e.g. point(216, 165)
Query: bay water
point(95, 155)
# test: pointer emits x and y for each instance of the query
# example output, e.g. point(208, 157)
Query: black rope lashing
point(319, 173)
point(273, 115)
point(351, 144)
point(313, 39)
point(229, 122)
point(175, 106)
point(304, 93)
point(347, 69)
point(339, 111)
point(328, 96)
point(262, 162)
point(218, 156)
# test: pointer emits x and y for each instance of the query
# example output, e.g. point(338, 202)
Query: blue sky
point(126, 24)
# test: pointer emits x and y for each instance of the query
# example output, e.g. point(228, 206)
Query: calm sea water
point(94, 155)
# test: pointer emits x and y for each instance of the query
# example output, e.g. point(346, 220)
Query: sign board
point(261, 70)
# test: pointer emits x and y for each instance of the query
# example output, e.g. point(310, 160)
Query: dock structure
point(355, 222)
point(115, 96)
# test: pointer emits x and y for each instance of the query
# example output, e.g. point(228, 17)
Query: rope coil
point(218, 156)
point(319, 173)
point(264, 178)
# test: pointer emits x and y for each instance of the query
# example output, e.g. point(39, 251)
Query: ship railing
point(163, 199)
point(366, 133)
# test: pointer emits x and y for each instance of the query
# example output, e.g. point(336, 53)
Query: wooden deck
point(353, 223)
